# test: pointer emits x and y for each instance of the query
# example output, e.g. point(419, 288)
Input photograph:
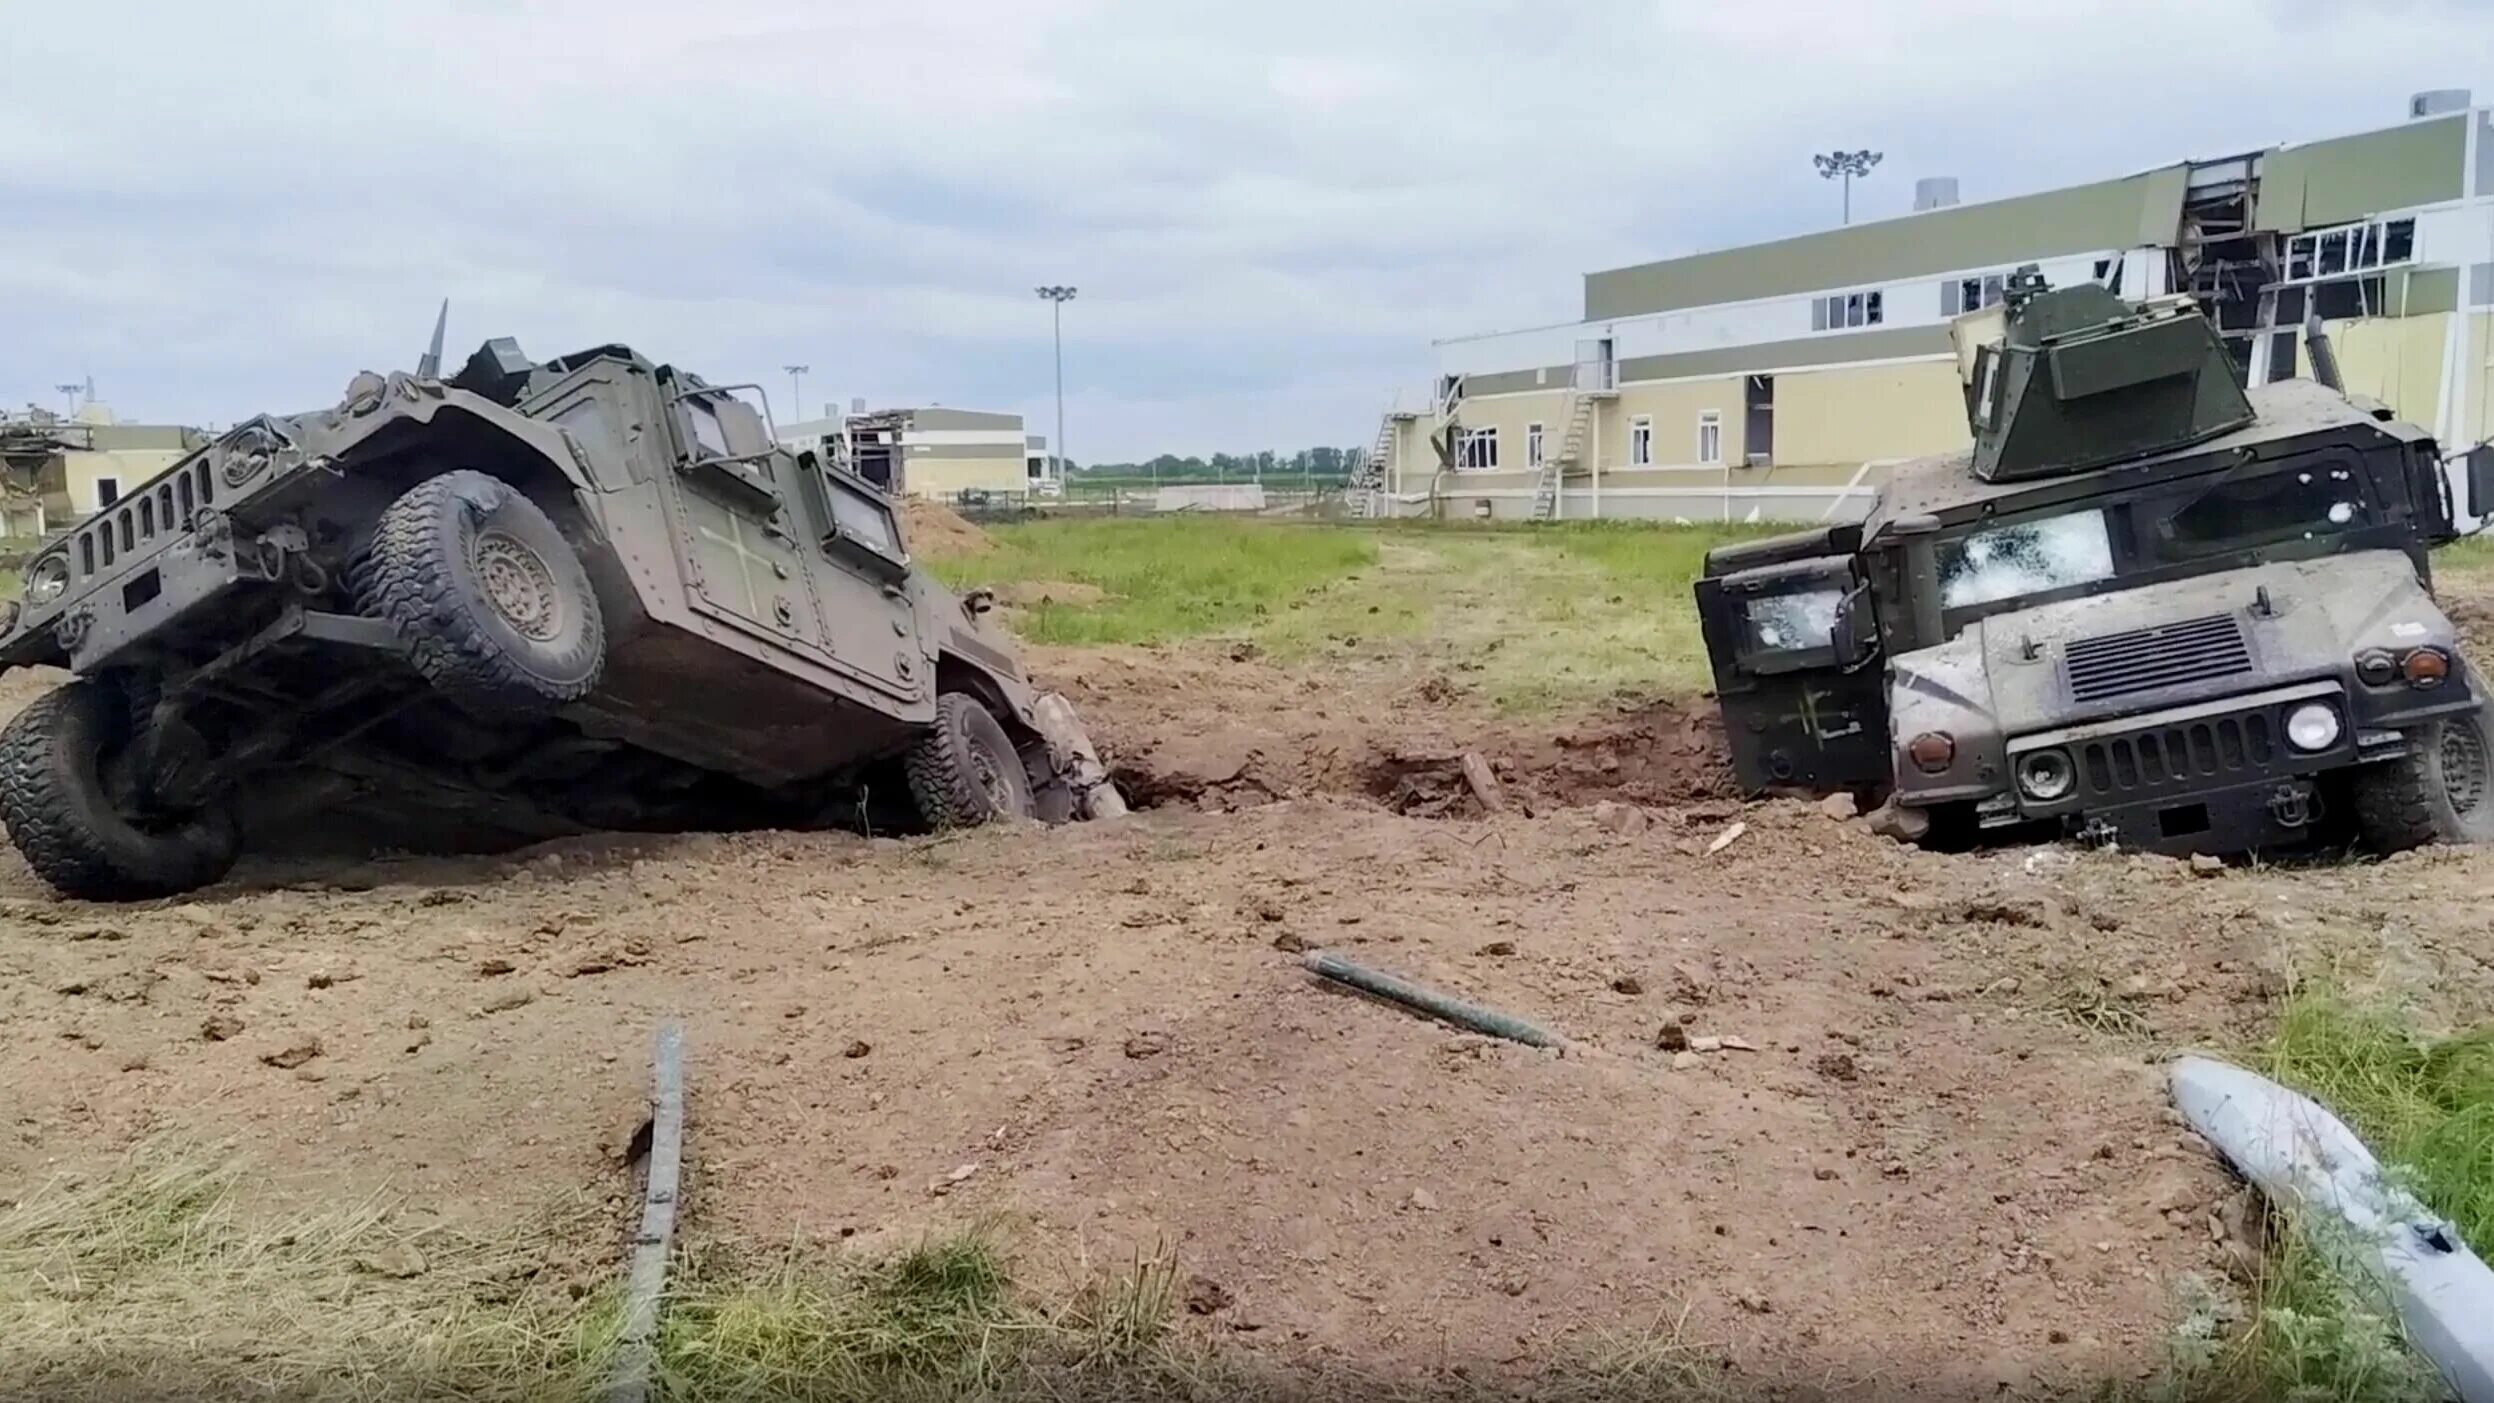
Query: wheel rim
point(994, 783)
point(2465, 768)
point(519, 585)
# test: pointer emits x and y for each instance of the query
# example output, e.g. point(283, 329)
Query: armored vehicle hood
point(2177, 642)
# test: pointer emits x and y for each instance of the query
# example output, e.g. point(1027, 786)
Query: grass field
point(1534, 615)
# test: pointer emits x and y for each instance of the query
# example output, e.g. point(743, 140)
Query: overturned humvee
point(2147, 607)
point(523, 600)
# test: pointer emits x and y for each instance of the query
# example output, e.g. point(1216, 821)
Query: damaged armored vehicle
point(2146, 608)
point(525, 600)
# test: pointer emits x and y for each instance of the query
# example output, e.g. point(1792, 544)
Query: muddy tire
point(491, 602)
point(964, 771)
point(53, 797)
point(2441, 791)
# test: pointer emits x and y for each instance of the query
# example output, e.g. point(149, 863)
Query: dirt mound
point(1222, 728)
point(938, 532)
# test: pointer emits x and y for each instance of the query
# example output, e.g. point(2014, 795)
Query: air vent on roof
point(1934, 192)
point(2433, 102)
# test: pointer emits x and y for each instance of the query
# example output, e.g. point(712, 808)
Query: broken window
point(1532, 445)
point(1477, 449)
point(2349, 298)
point(1970, 295)
point(1843, 310)
point(2253, 511)
point(2332, 257)
point(2026, 557)
point(1782, 623)
point(1641, 442)
point(2398, 241)
point(2290, 306)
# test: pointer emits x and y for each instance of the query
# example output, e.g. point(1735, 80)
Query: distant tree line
point(1329, 465)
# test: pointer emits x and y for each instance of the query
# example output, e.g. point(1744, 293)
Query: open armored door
point(1804, 705)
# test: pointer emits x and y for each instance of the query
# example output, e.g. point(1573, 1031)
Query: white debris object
point(1726, 838)
point(2308, 1162)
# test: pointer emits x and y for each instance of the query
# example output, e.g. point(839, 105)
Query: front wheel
point(62, 816)
point(964, 771)
point(493, 605)
point(2440, 791)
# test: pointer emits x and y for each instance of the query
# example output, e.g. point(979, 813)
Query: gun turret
point(2064, 380)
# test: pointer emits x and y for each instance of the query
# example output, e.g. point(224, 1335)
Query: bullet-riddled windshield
point(2025, 557)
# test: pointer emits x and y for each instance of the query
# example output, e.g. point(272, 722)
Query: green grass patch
point(1525, 616)
point(2315, 1326)
point(1163, 579)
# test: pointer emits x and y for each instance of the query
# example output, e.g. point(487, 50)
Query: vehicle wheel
point(2442, 790)
point(490, 600)
point(52, 795)
point(964, 770)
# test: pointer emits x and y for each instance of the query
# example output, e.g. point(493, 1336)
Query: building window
point(107, 492)
point(1532, 445)
point(1477, 450)
point(1710, 437)
point(2331, 253)
point(1641, 441)
point(1971, 294)
point(1845, 310)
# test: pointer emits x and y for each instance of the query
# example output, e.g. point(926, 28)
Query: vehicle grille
point(2144, 659)
point(160, 509)
point(2236, 747)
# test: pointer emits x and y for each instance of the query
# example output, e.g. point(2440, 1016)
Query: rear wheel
point(492, 603)
point(2440, 791)
point(964, 771)
point(62, 815)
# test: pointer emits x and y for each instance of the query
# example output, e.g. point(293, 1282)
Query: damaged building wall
point(2331, 182)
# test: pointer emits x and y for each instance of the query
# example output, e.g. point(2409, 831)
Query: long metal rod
point(1057, 320)
point(1429, 1001)
point(647, 1286)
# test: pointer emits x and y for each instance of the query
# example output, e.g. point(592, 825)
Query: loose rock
point(293, 1054)
point(219, 1027)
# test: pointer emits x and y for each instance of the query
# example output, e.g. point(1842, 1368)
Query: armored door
point(735, 533)
point(1803, 707)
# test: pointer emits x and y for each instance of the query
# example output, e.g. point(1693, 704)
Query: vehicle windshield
point(2025, 557)
point(2236, 512)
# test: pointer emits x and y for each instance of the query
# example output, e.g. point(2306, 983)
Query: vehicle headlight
point(2312, 726)
point(1932, 752)
point(46, 579)
point(2376, 667)
point(2426, 667)
point(2045, 775)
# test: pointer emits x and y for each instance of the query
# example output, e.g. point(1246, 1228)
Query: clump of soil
point(938, 532)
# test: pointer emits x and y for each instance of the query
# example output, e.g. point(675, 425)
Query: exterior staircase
point(1576, 413)
point(1365, 492)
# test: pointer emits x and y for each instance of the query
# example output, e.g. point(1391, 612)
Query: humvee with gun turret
point(2147, 607)
point(523, 600)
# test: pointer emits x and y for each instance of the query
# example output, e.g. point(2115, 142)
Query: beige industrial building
point(1780, 381)
point(56, 471)
point(933, 452)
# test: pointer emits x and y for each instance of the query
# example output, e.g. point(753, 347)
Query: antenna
point(430, 364)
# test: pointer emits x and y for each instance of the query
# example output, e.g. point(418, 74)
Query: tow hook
point(2291, 805)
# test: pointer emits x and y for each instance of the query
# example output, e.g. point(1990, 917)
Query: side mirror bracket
point(1855, 635)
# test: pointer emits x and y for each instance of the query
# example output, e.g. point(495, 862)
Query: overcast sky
point(1270, 208)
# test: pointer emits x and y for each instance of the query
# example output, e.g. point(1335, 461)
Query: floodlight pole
point(1844, 166)
point(1057, 298)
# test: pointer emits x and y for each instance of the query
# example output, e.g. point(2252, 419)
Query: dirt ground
point(1930, 1155)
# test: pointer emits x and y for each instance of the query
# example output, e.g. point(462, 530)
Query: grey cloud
point(1271, 210)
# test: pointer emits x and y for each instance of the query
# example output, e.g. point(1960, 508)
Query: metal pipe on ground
point(636, 1355)
point(1459, 1012)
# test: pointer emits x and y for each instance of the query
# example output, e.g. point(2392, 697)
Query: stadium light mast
point(1845, 165)
point(1057, 298)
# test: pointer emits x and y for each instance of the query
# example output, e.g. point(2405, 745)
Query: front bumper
point(2215, 777)
point(108, 612)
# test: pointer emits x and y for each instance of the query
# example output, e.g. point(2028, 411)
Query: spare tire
point(62, 819)
point(964, 771)
point(493, 605)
